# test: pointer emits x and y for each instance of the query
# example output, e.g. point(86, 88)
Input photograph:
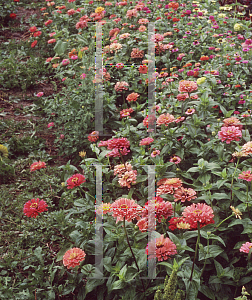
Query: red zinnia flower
point(33, 207)
point(175, 223)
point(13, 16)
point(199, 212)
point(73, 257)
point(75, 180)
point(164, 248)
point(33, 44)
point(37, 33)
point(118, 143)
point(94, 136)
point(33, 29)
point(37, 165)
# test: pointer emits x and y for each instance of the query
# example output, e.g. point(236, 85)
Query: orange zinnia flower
point(73, 257)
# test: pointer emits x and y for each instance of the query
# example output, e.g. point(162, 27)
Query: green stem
point(205, 258)
point(174, 208)
point(224, 221)
point(248, 200)
point(85, 192)
point(132, 251)
point(196, 250)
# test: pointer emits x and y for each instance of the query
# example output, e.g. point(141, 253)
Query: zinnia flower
point(40, 94)
point(104, 208)
point(132, 97)
point(50, 125)
point(164, 247)
point(199, 212)
point(146, 141)
point(118, 143)
point(73, 257)
point(247, 148)
point(175, 159)
point(176, 223)
point(183, 194)
point(246, 247)
point(246, 175)
point(186, 86)
point(161, 208)
point(94, 136)
point(127, 178)
point(165, 119)
point(125, 208)
point(33, 207)
point(120, 86)
point(37, 165)
point(230, 133)
point(75, 180)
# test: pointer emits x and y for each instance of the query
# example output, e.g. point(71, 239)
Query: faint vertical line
point(98, 81)
point(151, 79)
point(151, 222)
point(98, 225)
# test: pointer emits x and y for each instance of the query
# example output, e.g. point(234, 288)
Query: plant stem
point(224, 221)
point(248, 200)
point(132, 251)
point(196, 250)
point(205, 258)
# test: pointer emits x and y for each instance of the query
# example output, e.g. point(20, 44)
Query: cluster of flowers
point(126, 175)
point(119, 146)
point(231, 130)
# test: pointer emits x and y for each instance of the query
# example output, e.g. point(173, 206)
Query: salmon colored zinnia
point(37, 165)
point(164, 247)
point(73, 257)
point(125, 208)
point(186, 86)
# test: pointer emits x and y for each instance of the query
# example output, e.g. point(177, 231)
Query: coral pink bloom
point(199, 212)
point(120, 169)
point(161, 208)
point(175, 221)
point(164, 247)
point(182, 97)
point(115, 152)
point(146, 141)
point(143, 224)
point(132, 97)
point(71, 12)
point(143, 69)
point(127, 178)
point(120, 86)
point(186, 86)
point(33, 207)
point(246, 247)
point(40, 94)
point(183, 194)
point(230, 133)
point(165, 119)
point(48, 22)
point(75, 180)
point(37, 165)
point(246, 175)
point(125, 208)
point(73, 257)
point(190, 111)
point(118, 143)
point(233, 121)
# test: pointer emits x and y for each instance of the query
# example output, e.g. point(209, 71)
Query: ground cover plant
point(174, 177)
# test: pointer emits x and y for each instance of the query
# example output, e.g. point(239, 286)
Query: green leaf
point(118, 285)
point(63, 250)
point(210, 252)
point(92, 284)
point(60, 47)
point(205, 290)
point(38, 254)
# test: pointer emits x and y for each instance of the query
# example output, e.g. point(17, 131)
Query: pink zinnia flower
point(161, 208)
point(246, 247)
point(74, 57)
point(40, 94)
point(120, 86)
point(182, 97)
point(168, 185)
point(186, 86)
point(65, 62)
point(125, 208)
point(104, 208)
point(247, 148)
point(50, 125)
point(190, 111)
point(71, 12)
point(73, 257)
point(164, 247)
point(155, 153)
point(83, 75)
point(33, 207)
point(51, 41)
point(120, 169)
point(199, 212)
point(37, 166)
point(146, 141)
point(175, 159)
point(75, 180)
point(127, 178)
point(118, 143)
point(165, 119)
point(175, 222)
point(246, 175)
point(230, 133)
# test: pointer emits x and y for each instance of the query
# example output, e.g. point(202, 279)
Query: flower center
point(34, 205)
point(197, 211)
point(159, 244)
point(73, 255)
point(75, 179)
point(124, 206)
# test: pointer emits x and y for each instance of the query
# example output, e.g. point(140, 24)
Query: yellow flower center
point(197, 211)
point(73, 255)
point(34, 205)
